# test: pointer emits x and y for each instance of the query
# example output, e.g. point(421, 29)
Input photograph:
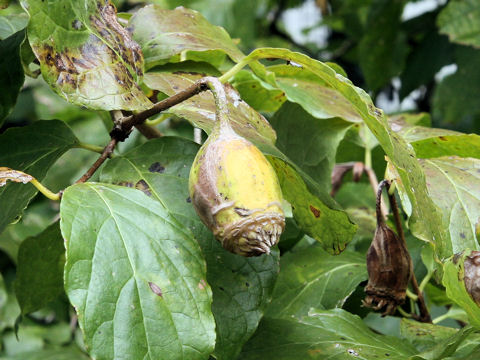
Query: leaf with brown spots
point(171, 35)
point(434, 142)
point(126, 254)
point(85, 55)
point(241, 286)
point(454, 186)
point(331, 227)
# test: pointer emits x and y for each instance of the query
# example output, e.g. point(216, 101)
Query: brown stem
point(107, 151)
point(148, 131)
point(372, 178)
point(424, 314)
point(378, 206)
point(123, 125)
point(194, 89)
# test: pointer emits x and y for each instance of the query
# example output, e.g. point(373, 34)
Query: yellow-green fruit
point(235, 191)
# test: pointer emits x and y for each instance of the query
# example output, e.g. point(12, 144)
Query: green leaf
point(382, 49)
point(312, 278)
point(12, 23)
point(257, 93)
point(239, 18)
point(425, 220)
point(324, 334)
point(316, 96)
point(72, 165)
point(136, 277)
point(200, 109)
point(40, 269)
point(11, 72)
point(453, 273)
point(242, 287)
point(423, 335)
point(85, 55)
point(433, 142)
point(462, 145)
point(454, 186)
point(311, 143)
point(27, 341)
point(32, 149)
point(331, 227)
point(32, 338)
point(438, 342)
point(69, 353)
point(426, 58)
point(460, 20)
point(447, 347)
point(180, 34)
point(455, 98)
point(9, 309)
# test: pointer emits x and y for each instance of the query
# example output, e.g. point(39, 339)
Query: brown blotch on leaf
point(143, 186)
point(156, 167)
point(76, 24)
point(126, 184)
point(316, 212)
point(155, 288)
point(107, 26)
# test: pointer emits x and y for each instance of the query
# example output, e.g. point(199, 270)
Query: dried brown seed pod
point(389, 267)
point(389, 270)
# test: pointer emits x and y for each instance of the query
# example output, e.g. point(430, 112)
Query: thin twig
point(338, 173)
point(194, 89)
point(358, 168)
point(107, 151)
point(124, 125)
point(372, 178)
point(148, 131)
point(424, 314)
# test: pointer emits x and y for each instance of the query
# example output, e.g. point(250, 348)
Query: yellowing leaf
point(13, 175)
point(85, 55)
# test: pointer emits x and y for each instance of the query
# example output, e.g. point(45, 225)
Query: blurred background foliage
point(397, 50)
point(405, 54)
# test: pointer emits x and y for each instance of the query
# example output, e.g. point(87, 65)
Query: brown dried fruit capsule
point(471, 277)
point(389, 268)
point(235, 191)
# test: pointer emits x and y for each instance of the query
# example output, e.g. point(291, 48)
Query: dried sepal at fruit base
point(234, 189)
point(389, 267)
